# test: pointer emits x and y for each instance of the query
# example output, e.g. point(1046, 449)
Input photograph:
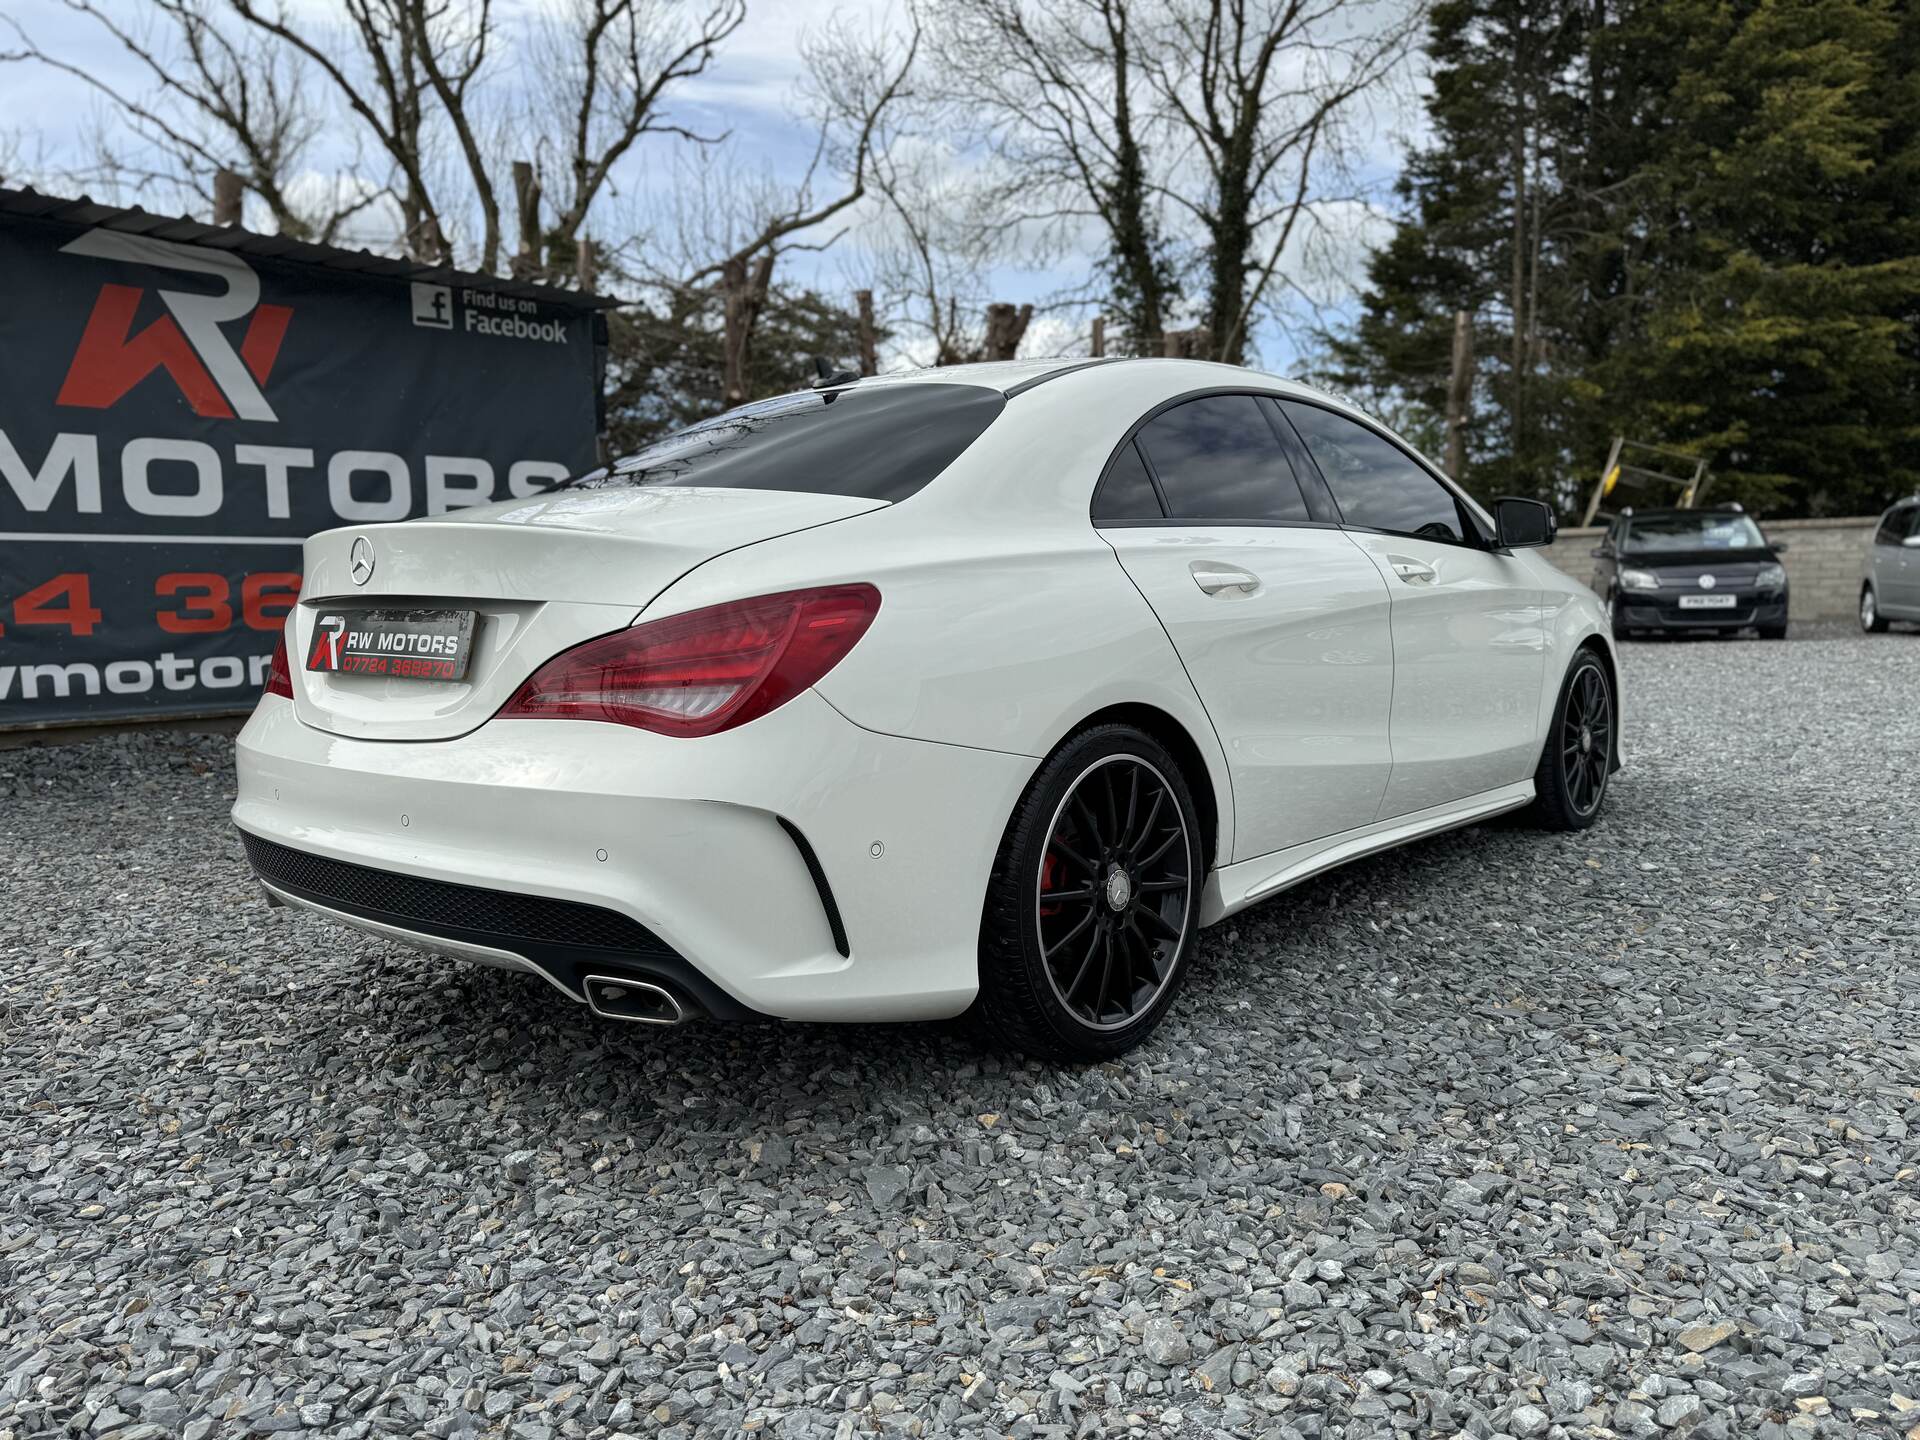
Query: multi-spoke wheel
point(1094, 900)
point(1575, 763)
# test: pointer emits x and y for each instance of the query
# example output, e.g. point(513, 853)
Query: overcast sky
point(47, 120)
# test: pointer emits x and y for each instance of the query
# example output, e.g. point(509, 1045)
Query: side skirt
point(1236, 886)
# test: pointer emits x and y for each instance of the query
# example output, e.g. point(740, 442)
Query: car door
point(1896, 565)
point(1469, 634)
point(1281, 621)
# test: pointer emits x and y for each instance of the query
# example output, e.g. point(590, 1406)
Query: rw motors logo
point(187, 342)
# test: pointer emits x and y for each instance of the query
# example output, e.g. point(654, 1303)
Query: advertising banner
point(174, 418)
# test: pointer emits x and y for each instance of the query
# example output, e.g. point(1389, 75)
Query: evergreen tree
point(1711, 245)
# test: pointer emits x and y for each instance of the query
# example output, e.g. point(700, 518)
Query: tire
point(1773, 632)
point(1871, 620)
point(1614, 623)
point(1570, 783)
point(1068, 828)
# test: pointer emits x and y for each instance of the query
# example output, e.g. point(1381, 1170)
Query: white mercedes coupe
point(979, 688)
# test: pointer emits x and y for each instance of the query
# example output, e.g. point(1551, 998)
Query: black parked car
point(1681, 572)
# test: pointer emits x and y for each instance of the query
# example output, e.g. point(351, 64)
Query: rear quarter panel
point(1005, 640)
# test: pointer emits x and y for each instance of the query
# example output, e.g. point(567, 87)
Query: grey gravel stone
point(1679, 1412)
point(1501, 1125)
point(1528, 1420)
point(1164, 1343)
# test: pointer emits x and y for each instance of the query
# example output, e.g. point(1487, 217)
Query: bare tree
point(1054, 89)
point(387, 85)
point(855, 80)
point(1260, 92)
point(217, 100)
point(924, 249)
point(605, 71)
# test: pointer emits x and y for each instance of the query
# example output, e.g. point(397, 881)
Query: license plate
point(398, 644)
point(1708, 602)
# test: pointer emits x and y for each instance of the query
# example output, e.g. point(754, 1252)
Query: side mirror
point(1912, 542)
point(1601, 552)
point(1780, 547)
point(1521, 524)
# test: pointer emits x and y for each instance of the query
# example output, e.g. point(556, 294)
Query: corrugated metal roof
point(188, 231)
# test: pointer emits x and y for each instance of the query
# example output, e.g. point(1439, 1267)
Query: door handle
point(1414, 572)
point(1213, 577)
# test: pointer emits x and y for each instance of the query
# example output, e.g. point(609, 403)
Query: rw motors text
point(179, 478)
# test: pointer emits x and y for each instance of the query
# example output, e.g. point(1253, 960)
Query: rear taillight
point(279, 673)
point(704, 671)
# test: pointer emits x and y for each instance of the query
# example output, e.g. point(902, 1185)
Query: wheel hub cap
point(1119, 889)
point(1586, 739)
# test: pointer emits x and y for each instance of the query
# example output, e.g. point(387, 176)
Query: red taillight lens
point(279, 673)
point(704, 671)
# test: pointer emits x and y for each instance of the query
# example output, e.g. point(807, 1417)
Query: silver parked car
point(1890, 590)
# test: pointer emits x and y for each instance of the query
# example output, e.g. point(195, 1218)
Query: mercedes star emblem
point(360, 560)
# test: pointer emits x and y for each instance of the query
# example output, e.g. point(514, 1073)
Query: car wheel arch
point(1604, 653)
point(1185, 749)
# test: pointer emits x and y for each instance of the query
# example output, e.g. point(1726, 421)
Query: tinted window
point(879, 443)
point(1691, 530)
point(1893, 529)
point(1127, 492)
point(1374, 482)
point(1217, 459)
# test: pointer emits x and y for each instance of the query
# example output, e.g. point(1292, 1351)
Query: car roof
point(1012, 377)
point(1664, 511)
point(1006, 376)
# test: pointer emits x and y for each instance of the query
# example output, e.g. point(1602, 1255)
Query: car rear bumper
point(715, 867)
point(1663, 612)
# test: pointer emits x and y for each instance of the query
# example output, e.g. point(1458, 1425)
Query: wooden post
point(1099, 336)
point(1192, 344)
point(227, 191)
point(869, 354)
point(1600, 488)
point(1459, 394)
point(526, 191)
point(1006, 327)
point(586, 266)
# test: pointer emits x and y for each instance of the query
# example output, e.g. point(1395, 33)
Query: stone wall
point(1825, 560)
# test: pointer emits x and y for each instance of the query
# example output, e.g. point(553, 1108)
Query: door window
point(1893, 529)
point(1218, 459)
point(1376, 484)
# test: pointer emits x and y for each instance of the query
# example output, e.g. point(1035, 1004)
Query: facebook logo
point(432, 306)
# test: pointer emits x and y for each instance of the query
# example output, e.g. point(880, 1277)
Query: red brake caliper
point(1049, 878)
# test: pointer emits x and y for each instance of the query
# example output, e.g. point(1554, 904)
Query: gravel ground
point(1504, 1134)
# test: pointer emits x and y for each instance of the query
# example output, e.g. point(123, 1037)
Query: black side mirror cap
point(1522, 524)
point(1601, 552)
point(1779, 546)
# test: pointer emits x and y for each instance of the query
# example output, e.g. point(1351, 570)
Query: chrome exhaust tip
point(639, 1002)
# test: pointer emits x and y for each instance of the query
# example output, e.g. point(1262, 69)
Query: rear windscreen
point(877, 443)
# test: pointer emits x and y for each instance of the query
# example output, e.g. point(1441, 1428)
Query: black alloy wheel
point(1586, 738)
point(1114, 887)
point(1095, 899)
point(1571, 780)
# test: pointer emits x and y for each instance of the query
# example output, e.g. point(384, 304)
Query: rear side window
point(1218, 459)
point(1376, 484)
point(1127, 492)
point(882, 442)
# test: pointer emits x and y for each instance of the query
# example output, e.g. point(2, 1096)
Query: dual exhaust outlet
point(638, 1002)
